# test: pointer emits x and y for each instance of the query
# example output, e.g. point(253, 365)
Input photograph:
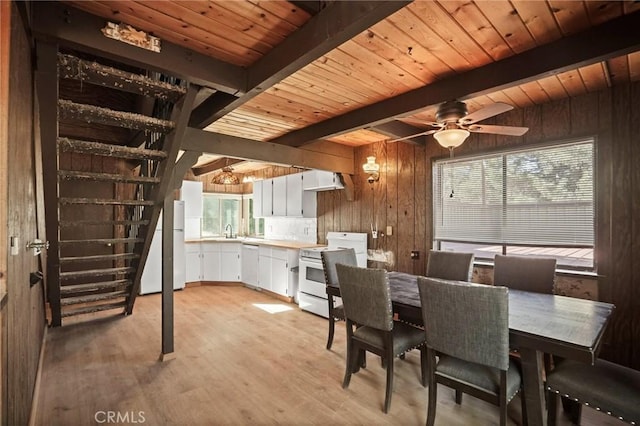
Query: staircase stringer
point(172, 143)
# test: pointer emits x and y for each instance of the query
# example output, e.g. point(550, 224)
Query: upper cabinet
point(283, 196)
point(320, 180)
point(191, 194)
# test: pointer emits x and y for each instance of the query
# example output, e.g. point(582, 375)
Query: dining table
point(539, 323)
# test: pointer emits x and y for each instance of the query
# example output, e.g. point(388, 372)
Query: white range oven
point(312, 295)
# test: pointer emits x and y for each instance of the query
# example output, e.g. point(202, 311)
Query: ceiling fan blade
point(426, 132)
point(498, 130)
point(485, 112)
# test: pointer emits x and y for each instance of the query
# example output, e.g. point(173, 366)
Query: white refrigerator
point(151, 281)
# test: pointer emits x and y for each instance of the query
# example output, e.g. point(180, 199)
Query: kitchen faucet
point(230, 228)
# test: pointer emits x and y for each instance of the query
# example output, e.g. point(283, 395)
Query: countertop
point(257, 242)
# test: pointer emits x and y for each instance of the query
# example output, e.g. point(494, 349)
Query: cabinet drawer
point(210, 247)
point(264, 251)
point(278, 253)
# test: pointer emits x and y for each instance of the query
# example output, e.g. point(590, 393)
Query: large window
point(537, 201)
point(221, 210)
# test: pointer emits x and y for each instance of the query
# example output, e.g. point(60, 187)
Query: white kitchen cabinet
point(321, 180)
point(191, 194)
point(274, 270)
point(193, 262)
point(230, 262)
point(300, 203)
point(249, 259)
point(267, 198)
point(211, 262)
point(257, 198)
point(264, 267)
point(279, 196)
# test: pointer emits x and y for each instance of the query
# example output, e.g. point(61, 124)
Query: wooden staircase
point(107, 196)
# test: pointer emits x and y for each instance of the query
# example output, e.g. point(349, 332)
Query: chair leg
point(332, 327)
point(573, 410)
point(523, 408)
point(552, 413)
point(351, 355)
point(424, 362)
point(433, 400)
point(389, 390)
point(458, 396)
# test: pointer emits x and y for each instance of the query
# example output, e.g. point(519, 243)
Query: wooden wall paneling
point(385, 201)
point(584, 114)
point(406, 199)
point(621, 220)
point(366, 194)
point(556, 120)
point(360, 185)
point(421, 187)
point(330, 212)
point(634, 300)
point(25, 322)
point(532, 118)
point(321, 213)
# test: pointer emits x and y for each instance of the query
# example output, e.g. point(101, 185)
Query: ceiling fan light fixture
point(451, 138)
point(226, 177)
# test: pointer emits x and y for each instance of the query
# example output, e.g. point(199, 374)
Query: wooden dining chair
point(329, 260)
point(604, 386)
point(450, 265)
point(468, 327)
point(527, 273)
point(366, 298)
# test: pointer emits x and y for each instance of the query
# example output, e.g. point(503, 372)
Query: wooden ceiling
point(360, 72)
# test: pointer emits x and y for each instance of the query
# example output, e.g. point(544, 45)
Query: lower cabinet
point(212, 261)
point(274, 270)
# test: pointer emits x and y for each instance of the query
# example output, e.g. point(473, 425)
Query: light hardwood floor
point(236, 364)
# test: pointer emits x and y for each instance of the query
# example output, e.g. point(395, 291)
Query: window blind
point(541, 197)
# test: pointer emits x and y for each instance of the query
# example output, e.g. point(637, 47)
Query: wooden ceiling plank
point(83, 30)
point(229, 146)
point(218, 14)
point(539, 20)
point(553, 87)
point(611, 39)
point(335, 74)
point(572, 82)
point(214, 165)
point(474, 22)
point(283, 10)
point(602, 10)
point(571, 16)
point(634, 66)
point(630, 6)
point(535, 92)
point(218, 33)
point(334, 25)
point(519, 97)
point(508, 23)
point(593, 77)
point(619, 69)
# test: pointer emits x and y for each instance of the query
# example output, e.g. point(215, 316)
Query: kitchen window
point(220, 210)
point(534, 201)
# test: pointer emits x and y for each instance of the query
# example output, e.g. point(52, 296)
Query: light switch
point(389, 230)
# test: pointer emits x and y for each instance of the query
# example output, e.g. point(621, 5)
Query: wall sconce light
point(372, 169)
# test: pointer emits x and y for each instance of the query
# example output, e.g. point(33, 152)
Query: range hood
point(320, 180)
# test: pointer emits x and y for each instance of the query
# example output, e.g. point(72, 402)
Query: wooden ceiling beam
point(335, 24)
point(333, 157)
point(80, 30)
point(214, 165)
point(398, 129)
point(614, 38)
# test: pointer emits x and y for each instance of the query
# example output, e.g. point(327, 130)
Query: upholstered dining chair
point(329, 260)
point(605, 386)
point(468, 327)
point(366, 299)
point(450, 265)
point(528, 273)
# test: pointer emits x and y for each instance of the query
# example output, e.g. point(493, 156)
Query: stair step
point(106, 177)
point(93, 308)
point(74, 289)
point(94, 73)
point(109, 150)
point(118, 256)
point(96, 273)
point(94, 114)
point(65, 223)
point(105, 241)
point(105, 201)
point(75, 300)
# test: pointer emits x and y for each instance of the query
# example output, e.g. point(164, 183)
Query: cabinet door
point(264, 272)
point(294, 195)
point(230, 262)
point(279, 276)
point(193, 268)
point(191, 194)
point(211, 262)
point(279, 196)
point(257, 198)
point(249, 260)
point(267, 197)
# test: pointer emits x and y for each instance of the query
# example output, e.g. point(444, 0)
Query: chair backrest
point(536, 274)
point(450, 265)
point(332, 257)
point(366, 297)
point(467, 321)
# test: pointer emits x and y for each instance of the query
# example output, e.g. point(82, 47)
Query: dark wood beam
point(167, 350)
point(332, 26)
point(188, 159)
point(333, 157)
point(82, 31)
point(214, 165)
point(397, 129)
point(614, 38)
point(312, 7)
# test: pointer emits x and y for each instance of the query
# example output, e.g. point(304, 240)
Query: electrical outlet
point(389, 230)
point(415, 254)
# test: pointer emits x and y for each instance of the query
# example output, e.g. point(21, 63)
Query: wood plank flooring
point(236, 363)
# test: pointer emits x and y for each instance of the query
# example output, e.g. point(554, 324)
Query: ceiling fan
point(454, 123)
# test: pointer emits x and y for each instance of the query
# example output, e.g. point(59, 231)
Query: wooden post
point(167, 279)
